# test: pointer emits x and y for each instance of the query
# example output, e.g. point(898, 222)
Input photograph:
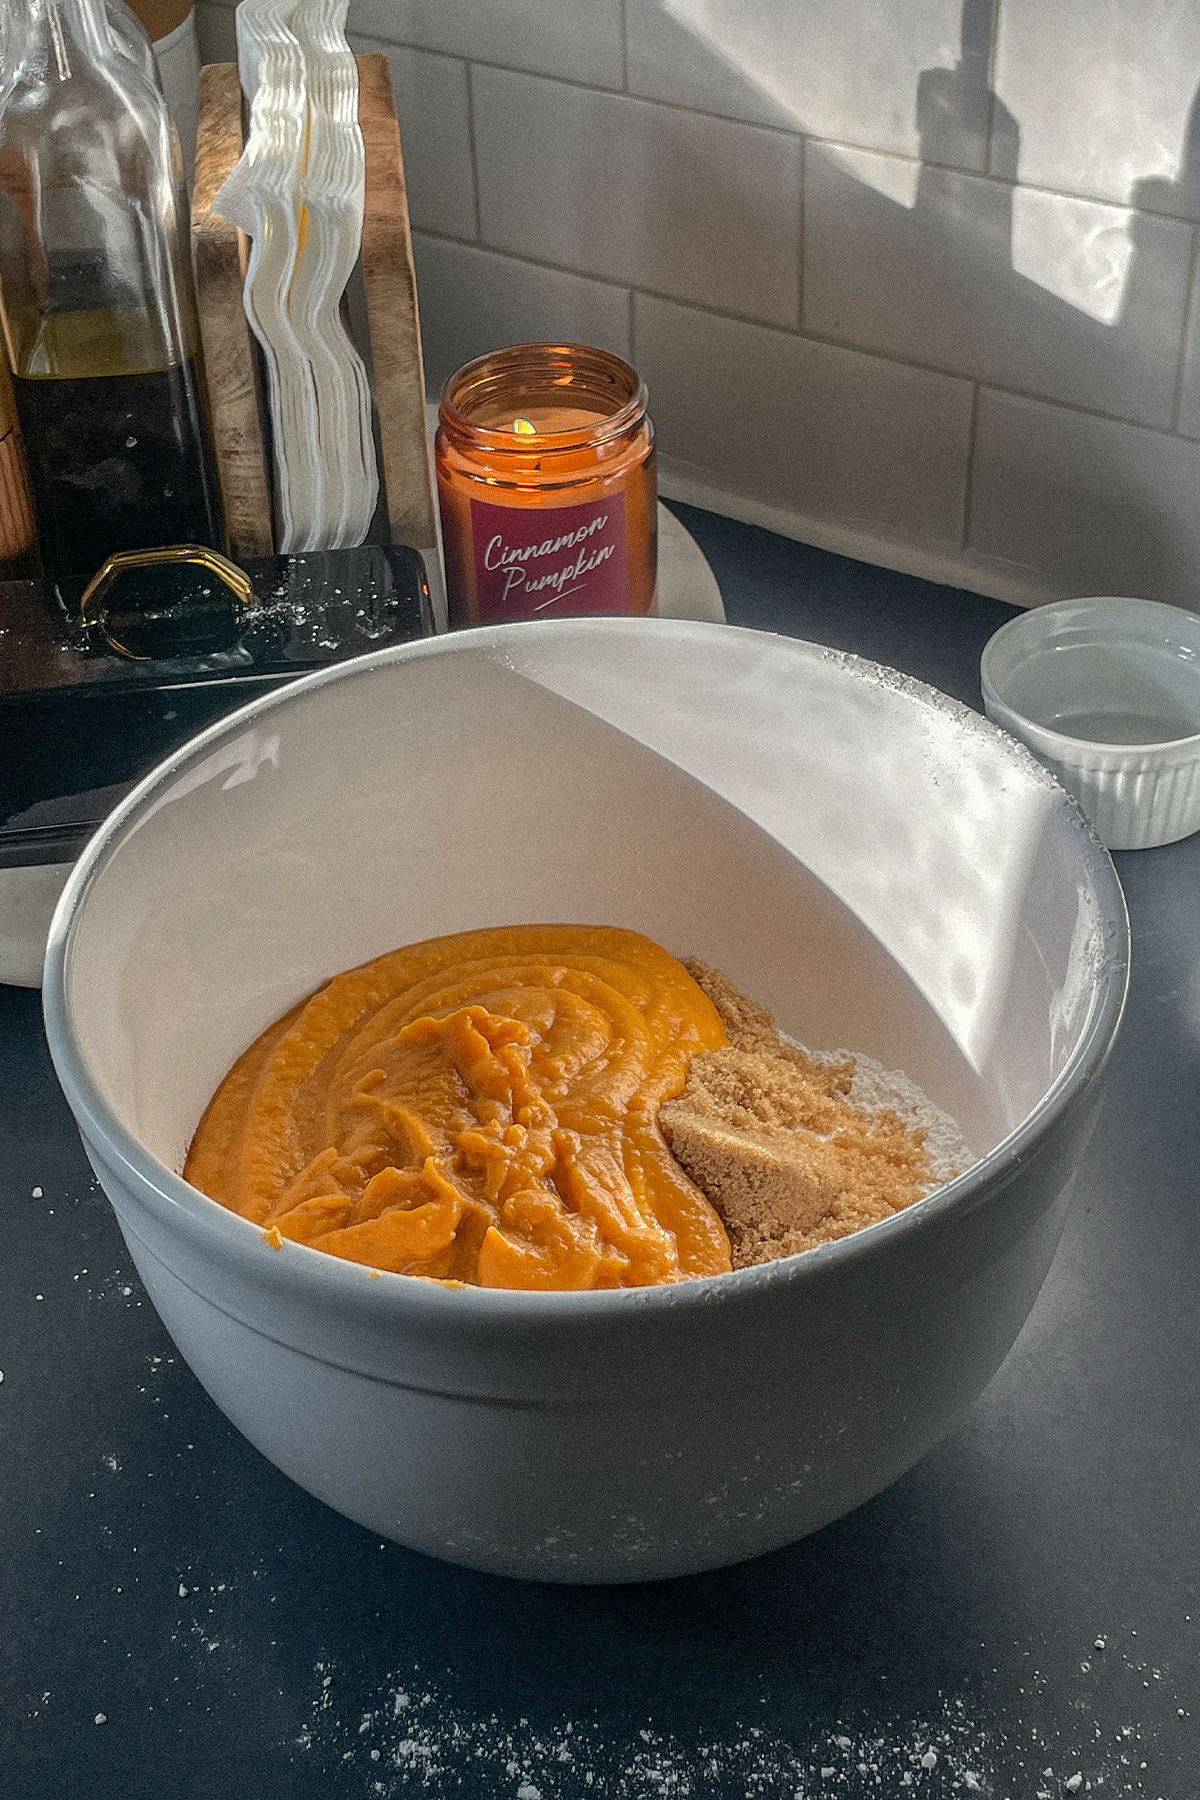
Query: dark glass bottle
point(97, 310)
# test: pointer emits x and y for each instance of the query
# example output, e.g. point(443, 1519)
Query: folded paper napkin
point(297, 192)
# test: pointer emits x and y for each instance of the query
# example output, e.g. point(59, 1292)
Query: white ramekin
point(1106, 693)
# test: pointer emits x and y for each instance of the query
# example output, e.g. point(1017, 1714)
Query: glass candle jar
point(546, 480)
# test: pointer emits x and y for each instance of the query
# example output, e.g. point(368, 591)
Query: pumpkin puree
point(478, 1108)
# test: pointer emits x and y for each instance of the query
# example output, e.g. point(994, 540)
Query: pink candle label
point(548, 562)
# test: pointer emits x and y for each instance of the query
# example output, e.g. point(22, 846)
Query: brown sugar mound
point(769, 1135)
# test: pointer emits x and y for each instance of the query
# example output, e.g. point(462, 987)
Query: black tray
point(80, 725)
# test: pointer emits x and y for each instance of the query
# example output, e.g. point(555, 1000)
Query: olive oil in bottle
point(96, 302)
point(116, 452)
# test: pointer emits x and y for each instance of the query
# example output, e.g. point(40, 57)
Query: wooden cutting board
point(391, 289)
point(16, 517)
point(240, 431)
point(219, 254)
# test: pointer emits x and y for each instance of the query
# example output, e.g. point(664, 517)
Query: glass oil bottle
point(97, 308)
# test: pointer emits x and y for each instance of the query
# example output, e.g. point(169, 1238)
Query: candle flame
point(523, 428)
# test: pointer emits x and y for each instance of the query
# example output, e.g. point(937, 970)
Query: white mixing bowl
point(885, 869)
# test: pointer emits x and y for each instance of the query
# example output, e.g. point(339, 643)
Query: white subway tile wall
point(1042, 293)
point(433, 99)
point(579, 40)
point(1189, 396)
point(885, 73)
point(655, 196)
point(826, 432)
point(1101, 99)
point(1095, 506)
point(914, 279)
point(472, 300)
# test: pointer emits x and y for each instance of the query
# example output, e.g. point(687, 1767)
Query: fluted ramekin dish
point(881, 866)
point(1106, 693)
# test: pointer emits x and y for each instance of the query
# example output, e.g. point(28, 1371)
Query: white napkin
point(297, 192)
point(332, 191)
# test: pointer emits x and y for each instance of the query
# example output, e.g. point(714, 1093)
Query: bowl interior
point(1102, 671)
point(885, 870)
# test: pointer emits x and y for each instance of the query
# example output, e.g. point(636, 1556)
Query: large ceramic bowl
point(884, 868)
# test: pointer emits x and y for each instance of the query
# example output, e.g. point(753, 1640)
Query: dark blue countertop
point(1019, 1615)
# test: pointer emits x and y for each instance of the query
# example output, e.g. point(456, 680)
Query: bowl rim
point(213, 1228)
point(1044, 643)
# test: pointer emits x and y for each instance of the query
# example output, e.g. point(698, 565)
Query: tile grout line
point(985, 175)
point(1189, 311)
point(969, 481)
point(802, 260)
point(993, 59)
point(476, 184)
point(989, 153)
point(796, 132)
point(813, 337)
point(535, 262)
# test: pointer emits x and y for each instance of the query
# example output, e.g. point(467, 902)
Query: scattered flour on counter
point(406, 1734)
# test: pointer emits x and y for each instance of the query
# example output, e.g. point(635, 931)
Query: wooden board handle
point(390, 282)
point(16, 516)
point(219, 252)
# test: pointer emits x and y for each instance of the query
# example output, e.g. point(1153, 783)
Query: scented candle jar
point(546, 480)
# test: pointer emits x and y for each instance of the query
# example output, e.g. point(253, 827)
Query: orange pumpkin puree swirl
point(479, 1108)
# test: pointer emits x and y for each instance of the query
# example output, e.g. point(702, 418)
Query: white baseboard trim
point(998, 580)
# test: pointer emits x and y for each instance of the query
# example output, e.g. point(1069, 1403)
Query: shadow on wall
point(1048, 297)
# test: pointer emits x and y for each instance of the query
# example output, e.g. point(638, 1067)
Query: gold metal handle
point(94, 611)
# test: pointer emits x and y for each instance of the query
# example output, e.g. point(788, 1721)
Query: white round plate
point(687, 587)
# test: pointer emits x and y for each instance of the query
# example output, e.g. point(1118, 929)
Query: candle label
point(549, 562)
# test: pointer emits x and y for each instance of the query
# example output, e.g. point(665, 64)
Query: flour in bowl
point(796, 1148)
